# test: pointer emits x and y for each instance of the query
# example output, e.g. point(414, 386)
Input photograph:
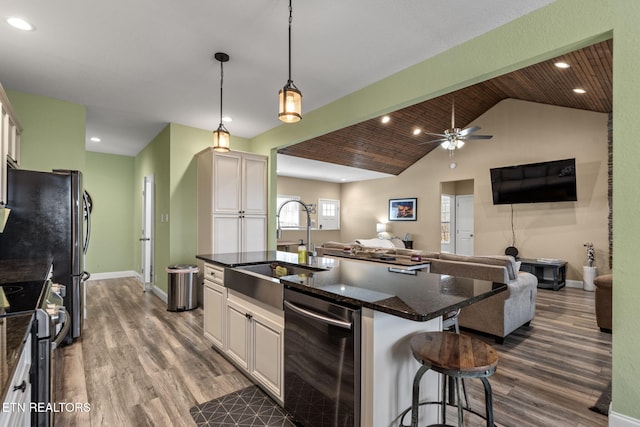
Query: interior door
point(146, 238)
point(464, 225)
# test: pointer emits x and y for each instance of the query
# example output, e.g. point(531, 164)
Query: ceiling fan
point(455, 137)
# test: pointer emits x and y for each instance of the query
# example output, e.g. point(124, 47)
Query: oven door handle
point(319, 317)
point(63, 332)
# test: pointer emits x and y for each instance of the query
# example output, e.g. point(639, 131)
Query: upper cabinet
point(232, 202)
point(10, 131)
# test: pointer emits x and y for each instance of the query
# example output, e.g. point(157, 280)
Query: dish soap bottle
point(302, 254)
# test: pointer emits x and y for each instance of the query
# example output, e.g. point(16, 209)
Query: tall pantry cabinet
point(232, 202)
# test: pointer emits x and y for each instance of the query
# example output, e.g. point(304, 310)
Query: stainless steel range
point(51, 325)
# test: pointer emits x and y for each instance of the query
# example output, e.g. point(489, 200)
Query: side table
point(537, 267)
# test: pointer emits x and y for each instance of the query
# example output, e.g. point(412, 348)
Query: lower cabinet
point(215, 297)
point(255, 341)
point(19, 392)
point(248, 332)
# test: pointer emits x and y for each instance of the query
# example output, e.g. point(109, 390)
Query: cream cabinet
point(10, 131)
point(246, 331)
point(255, 338)
point(19, 392)
point(215, 299)
point(232, 202)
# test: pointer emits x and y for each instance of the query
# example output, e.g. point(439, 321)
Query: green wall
point(108, 180)
point(154, 161)
point(53, 132)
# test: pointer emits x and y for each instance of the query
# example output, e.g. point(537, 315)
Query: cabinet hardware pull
point(22, 387)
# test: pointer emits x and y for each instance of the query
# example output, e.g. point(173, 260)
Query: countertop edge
point(399, 313)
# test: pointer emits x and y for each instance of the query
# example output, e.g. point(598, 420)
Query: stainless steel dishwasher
point(321, 361)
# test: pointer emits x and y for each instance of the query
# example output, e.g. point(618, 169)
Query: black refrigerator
point(50, 217)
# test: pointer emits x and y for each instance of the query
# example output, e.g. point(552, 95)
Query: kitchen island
point(393, 305)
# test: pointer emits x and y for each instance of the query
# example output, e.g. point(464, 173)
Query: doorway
point(147, 236)
point(456, 217)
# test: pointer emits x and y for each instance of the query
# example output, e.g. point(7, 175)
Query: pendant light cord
point(290, 21)
point(221, 82)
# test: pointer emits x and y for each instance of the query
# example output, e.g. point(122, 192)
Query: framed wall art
point(403, 209)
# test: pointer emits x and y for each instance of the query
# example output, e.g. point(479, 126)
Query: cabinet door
point(19, 397)
point(226, 183)
point(266, 357)
point(254, 185)
point(237, 325)
point(214, 312)
point(254, 233)
point(4, 142)
point(226, 234)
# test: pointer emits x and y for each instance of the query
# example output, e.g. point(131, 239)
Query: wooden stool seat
point(446, 352)
point(457, 357)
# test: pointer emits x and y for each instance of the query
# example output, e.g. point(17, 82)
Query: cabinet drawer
point(214, 274)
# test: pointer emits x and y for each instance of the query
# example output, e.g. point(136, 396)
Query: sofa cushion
point(375, 243)
point(506, 261)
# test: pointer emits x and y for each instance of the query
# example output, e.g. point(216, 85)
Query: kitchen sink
point(262, 281)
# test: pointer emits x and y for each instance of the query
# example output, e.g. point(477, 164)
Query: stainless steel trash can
point(181, 294)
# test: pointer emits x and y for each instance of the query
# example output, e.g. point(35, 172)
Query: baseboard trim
point(574, 284)
point(620, 420)
point(113, 275)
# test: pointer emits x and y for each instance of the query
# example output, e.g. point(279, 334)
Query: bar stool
point(454, 356)
point(450, 322)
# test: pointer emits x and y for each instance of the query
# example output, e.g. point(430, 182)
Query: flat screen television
point(553, 181)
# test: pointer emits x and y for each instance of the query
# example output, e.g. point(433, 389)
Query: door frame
point(147, 232)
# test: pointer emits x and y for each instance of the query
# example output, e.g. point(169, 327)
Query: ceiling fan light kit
point(290, 97)
point(221, 136)
point(454, 138)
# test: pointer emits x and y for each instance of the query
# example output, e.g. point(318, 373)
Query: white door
point(226, 183)
point(254, 182)
point(464, 225)
point(146, 238)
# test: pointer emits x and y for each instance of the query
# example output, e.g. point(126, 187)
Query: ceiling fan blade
point(440, 135)
point(467, 131)
point(434, 141)
point(477, 137)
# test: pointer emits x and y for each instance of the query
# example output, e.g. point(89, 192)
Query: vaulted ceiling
point(392, 147)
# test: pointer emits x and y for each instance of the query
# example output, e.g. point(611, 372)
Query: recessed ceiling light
point(385, 119)
point(227, 119)
point(94, 139)
point(20, 24)
point(417, 131)
point(453, 165)
point(343, 179)
point(561, 64)
point(579, 90)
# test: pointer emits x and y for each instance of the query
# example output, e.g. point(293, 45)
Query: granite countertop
point(415, 295)
point(21, 284)
point(249, 258)
point(419, 296)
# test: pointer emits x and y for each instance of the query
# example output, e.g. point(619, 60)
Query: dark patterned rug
point(602, 404)
point(244, 408)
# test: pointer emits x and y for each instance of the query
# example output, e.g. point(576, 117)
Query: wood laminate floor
point(137, 364)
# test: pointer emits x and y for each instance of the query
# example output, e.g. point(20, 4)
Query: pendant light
point(221, 135)
point(289, 97)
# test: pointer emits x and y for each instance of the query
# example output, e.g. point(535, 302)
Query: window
point(328, 214)
point(445, 219)
point(290, 214)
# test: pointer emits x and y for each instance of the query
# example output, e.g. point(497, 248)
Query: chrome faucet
point(308, 209)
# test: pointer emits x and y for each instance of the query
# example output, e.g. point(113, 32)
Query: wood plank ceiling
point(392, 147)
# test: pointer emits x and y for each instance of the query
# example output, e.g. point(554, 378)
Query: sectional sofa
point(499, 315)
